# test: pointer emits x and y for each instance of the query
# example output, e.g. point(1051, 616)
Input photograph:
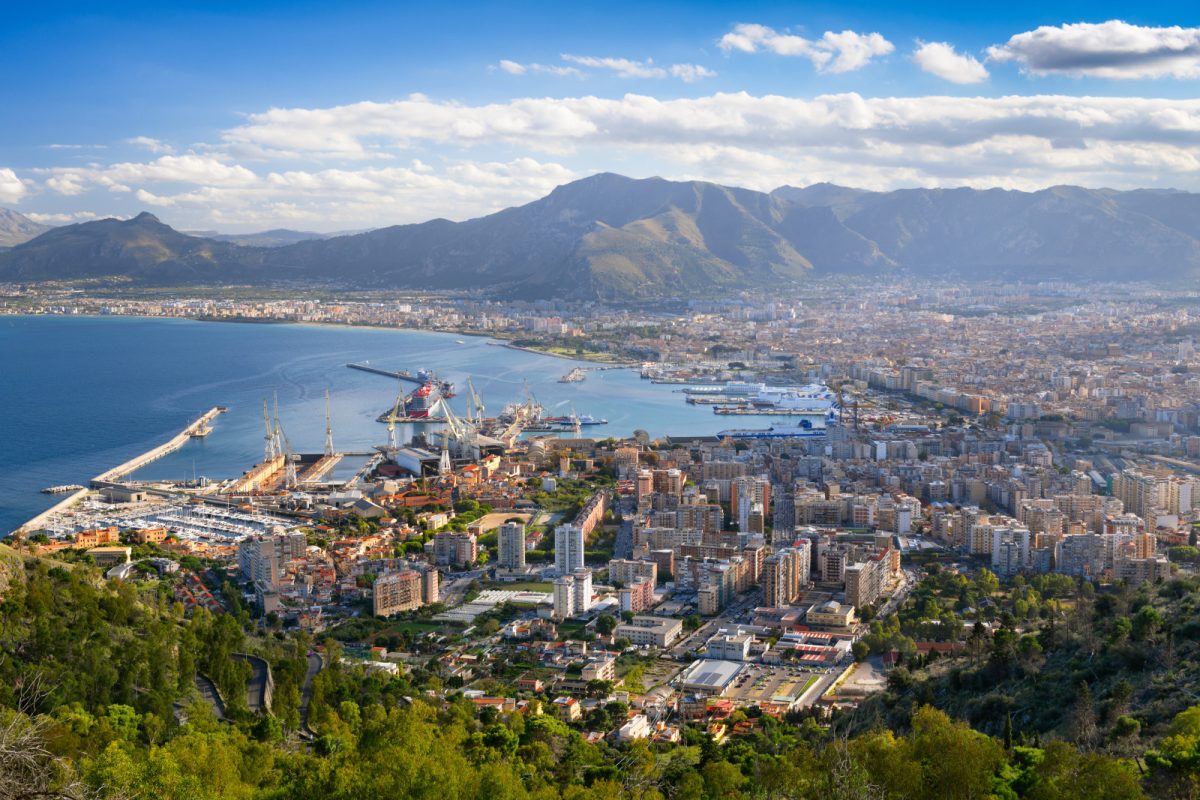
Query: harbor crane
point(328, 426)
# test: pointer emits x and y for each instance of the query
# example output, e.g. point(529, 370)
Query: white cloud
point(515, 68)
point(62, 218)
point(1112, 49)
point(889, 141)
point(690, 73)
point(153, 145)
point(627, 68)
point(315, 170)
point(940, 59)
point(624, 67)
point(833, 52)
point(12, 188)
point(341, 198)
point(120, 177)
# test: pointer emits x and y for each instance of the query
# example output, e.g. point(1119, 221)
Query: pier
point(403, 374)
point(176, 442)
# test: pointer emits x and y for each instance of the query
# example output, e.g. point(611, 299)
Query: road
point(208, 690)
point(258, 694)
point(315, 663)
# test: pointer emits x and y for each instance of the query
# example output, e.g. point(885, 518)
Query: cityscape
point(573, 484)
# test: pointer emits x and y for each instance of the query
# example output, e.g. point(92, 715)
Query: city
point(649, 401)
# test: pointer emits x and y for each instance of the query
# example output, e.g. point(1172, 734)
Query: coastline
point(511, 346)
point(498, 340)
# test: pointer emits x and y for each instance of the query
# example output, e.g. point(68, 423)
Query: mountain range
point(612, 237)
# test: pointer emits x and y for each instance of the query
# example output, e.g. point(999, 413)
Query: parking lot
point(759, 684)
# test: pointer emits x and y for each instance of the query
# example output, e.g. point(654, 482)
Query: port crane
point(328, 426)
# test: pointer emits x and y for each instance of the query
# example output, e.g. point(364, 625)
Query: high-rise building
point(511, 541)
point(568, 548)
point(583, 590)
point(564, 597)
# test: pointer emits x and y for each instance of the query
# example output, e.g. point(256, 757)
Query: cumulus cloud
point(12, 188)
point(690, 73)
point(312, 173)
point(189, 168)
point(153, 145)
point(1112, 49)
point(833, 52)
point(941, 59)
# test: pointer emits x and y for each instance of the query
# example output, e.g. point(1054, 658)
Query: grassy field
point(522, 586)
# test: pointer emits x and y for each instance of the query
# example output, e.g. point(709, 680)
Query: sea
point(79, 395)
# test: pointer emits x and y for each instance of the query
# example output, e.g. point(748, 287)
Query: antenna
point(328, 426)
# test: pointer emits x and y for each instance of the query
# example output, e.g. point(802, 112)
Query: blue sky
point(324, 116)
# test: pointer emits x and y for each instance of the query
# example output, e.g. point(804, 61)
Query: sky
point(244, 116)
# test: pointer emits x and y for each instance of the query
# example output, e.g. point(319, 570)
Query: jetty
point(170, 446)
point(574, 376)
point(401, 374)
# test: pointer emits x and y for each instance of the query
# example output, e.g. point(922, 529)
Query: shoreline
point(619, 364)
point(498, 340)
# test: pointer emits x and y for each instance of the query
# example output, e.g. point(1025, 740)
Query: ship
point(814, 397)
point(740, 388)
point(427, 376)
point(584, 419)
point(423, 401)
point(806, 428)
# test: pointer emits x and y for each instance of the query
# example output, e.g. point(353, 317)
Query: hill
point(17, 228)
point(612, 237)
point(142, 248)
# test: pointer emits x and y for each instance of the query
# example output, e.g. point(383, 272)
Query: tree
point(606, 624)
point(861, 650)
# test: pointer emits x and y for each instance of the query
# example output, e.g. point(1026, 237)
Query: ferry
point(584, 419)
point(807, 428)
point(740, 388)
point(814, 397)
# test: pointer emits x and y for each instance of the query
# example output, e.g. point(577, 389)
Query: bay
point(79, 395)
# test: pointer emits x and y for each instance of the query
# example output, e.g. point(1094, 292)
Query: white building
point(583, 590)
point(568, 548)
point(564, 597)
point(511, 540)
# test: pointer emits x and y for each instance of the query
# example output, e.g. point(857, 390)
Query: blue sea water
point(79, 395)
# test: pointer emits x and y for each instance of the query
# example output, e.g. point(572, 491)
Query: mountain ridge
point(612, 237)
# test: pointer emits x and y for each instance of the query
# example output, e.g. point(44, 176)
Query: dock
point(170, 446)
point(402, 374)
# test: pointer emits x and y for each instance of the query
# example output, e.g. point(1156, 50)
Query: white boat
point(806, 428)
